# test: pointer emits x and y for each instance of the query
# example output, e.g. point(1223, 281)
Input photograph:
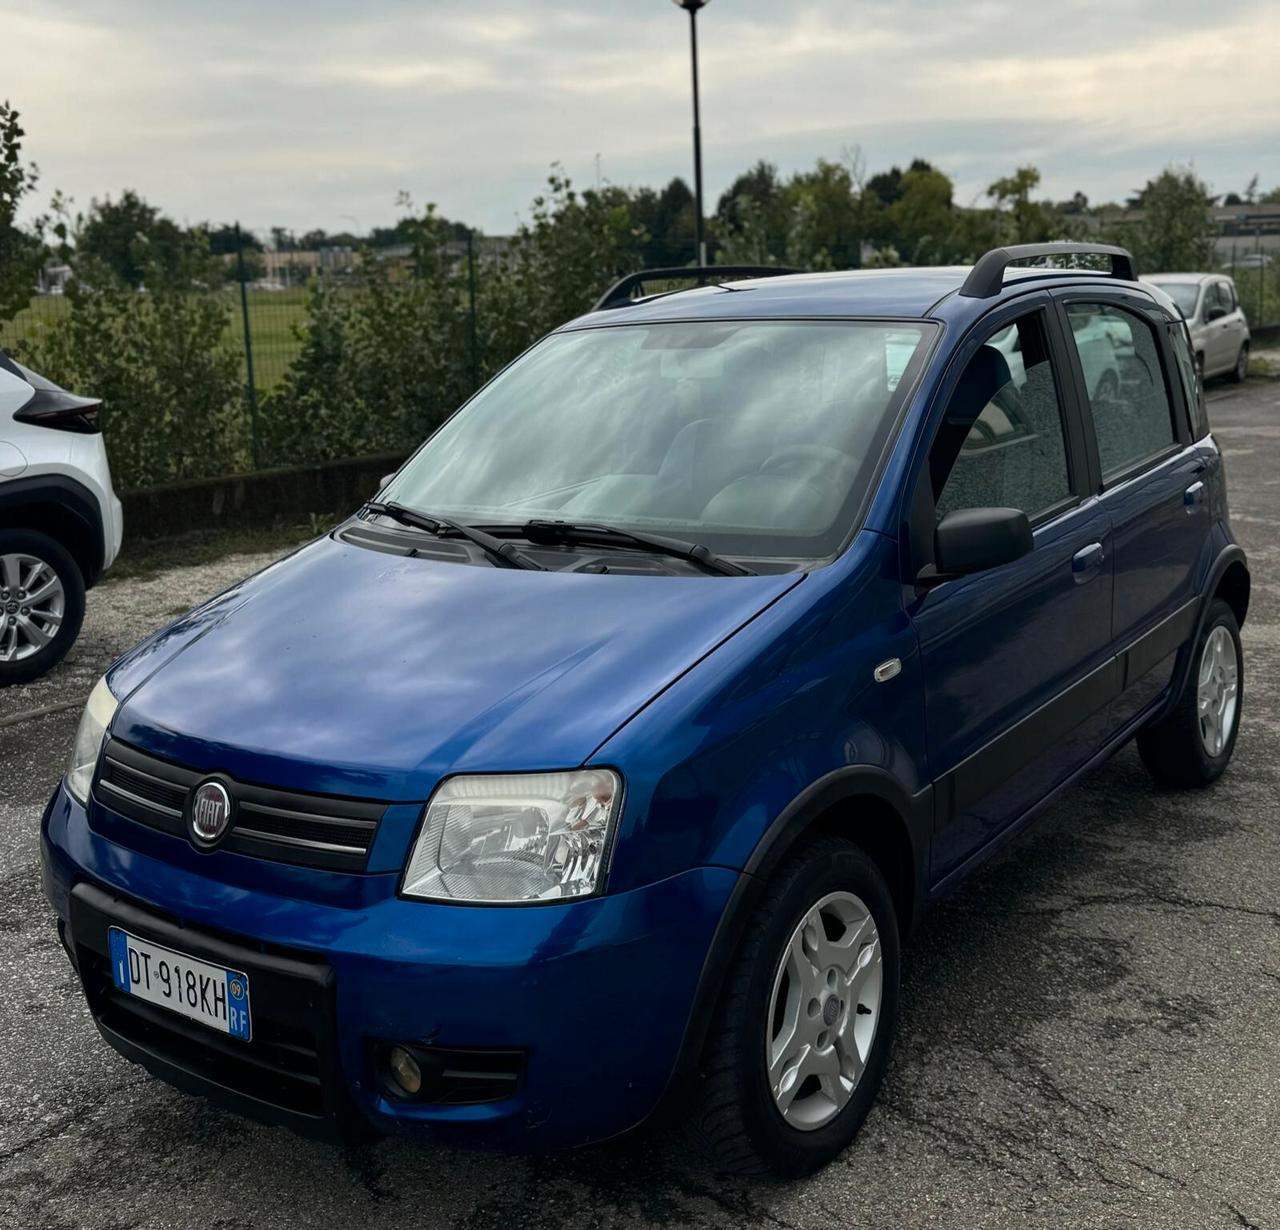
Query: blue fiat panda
point(612, 751)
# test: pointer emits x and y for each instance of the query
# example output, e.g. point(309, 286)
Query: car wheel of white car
point(41, 604)
point(1241, 370)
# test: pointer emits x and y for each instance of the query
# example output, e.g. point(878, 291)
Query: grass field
point(274, 318)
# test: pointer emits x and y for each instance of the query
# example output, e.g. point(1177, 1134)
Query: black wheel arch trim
point(1231, 554)
point(915, 814)
point(72, 497)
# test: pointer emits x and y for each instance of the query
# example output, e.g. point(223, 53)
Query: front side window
point(1002, 444)
point(1125, 385)
point(757, 438)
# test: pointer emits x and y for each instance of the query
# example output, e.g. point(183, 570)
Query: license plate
point(210, 994)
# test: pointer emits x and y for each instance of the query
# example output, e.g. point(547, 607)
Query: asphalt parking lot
point(1089, 1032)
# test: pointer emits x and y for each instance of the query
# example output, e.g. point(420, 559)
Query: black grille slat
point(142, 785)
point(303, 830)
point(357, 834)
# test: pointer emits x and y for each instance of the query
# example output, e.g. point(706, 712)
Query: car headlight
point(98, 712)
point(515, 837)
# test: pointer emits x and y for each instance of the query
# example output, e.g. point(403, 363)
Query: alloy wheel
point(823, 1011)
point(32, 605)
point(1217, 695)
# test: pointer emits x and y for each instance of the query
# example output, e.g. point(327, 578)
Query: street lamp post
point(700, 245)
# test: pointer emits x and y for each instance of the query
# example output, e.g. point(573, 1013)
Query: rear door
point(1017, 677)
point(1152, 483)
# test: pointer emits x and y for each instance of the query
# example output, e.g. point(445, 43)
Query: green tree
point(745, 240)
point(169, 381)
point(573, 246)
point(666, 218)
point(1175, 230)
point(825, 217)
point(754, 203)
point(922, 221)
point(1024, 220)
point(139, 246)
point(21, 252)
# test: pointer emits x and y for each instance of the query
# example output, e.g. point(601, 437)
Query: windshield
point(756, 438)
point(1184, 294)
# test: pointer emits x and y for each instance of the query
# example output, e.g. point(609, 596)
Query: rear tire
point(1241, 370)
point(809, 1110)
point(41, 604)
point(1191, 746)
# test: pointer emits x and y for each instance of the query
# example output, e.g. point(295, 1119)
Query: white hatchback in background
point(1219, 330)
point(60, 520)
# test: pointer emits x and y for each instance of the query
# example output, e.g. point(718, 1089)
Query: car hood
point(351, 671)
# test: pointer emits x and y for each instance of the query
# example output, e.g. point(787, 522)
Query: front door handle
point(1087, 562)
point(1193, 496)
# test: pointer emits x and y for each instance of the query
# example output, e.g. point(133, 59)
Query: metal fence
point(264, 327)
point(265, 318)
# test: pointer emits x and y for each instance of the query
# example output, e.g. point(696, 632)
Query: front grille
point(305, 830)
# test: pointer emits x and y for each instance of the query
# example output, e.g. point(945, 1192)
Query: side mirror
point(975, 539)
point(1216, 312)
point(385, 479)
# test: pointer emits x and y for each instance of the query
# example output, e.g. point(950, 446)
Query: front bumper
point(595, 994)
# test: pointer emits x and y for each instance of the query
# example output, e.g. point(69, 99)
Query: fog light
point(405, 1070)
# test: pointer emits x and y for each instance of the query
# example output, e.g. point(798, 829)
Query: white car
point(60, 520)
point(1219, 330)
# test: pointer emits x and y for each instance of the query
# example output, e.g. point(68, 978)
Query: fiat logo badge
point(210, 814)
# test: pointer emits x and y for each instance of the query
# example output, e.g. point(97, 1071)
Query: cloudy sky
point(310, 113)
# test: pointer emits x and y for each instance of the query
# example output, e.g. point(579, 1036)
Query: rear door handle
point(1086, 562)
point(1193, 496)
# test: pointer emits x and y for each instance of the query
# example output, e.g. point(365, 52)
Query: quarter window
point(1120, 362)
point(1002, 442)
point(1180, 344)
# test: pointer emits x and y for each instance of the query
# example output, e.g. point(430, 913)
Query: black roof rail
point(619, 294)
point(986, 278)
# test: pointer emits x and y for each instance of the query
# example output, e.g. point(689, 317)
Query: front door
point(1016, 660)
point(1219, 349)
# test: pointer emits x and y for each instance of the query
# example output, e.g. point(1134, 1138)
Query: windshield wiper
point(507, 554)
point(589, 532)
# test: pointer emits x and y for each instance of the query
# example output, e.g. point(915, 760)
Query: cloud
point(305, 114)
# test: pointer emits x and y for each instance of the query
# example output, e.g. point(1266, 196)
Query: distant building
point(53, 278)
point(1250, 235)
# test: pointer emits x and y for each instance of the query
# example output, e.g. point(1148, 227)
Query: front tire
point(1191, 746)
point(801, 1037)
point(41, 604)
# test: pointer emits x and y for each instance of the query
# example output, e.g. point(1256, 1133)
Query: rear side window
point(1180, 344)
point(1125, 385)
point(1227, 296)
point(1002, 444)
